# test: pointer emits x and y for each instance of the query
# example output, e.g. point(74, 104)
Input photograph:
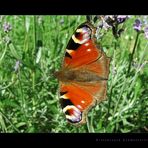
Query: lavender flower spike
point(17, 65)
point(7, 27)
point(121, 18)
point(137, 25)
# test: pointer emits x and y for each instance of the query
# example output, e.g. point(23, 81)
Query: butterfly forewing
point(81, 50)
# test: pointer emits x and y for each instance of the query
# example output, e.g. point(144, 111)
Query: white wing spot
point(88, 50)
point(82, 101)
point(75, 39)
point(86, 44)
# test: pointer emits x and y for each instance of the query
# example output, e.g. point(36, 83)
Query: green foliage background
point(28, 96)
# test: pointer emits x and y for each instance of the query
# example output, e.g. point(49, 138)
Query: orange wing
point(81, 48)
point(83, 95)
point(83, 77)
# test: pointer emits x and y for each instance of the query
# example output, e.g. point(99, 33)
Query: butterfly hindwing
point(75, 101)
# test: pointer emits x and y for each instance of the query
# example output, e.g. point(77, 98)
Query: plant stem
point(138, 68)
point(127, 74)
point(89, 126)
point(132, 55)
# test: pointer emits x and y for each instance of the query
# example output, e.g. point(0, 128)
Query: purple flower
point(106, 26)
point(17, 65)
point(146, 32)
point(121, 18)
point(137, 25)
point(110, 19)
point(7, 27)
point(105, 22)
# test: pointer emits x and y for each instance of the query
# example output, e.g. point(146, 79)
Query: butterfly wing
point(82, 55)
point(74, 100)
point(81, 96)
point(101, 69)
point(81, 49)
point(78, 98)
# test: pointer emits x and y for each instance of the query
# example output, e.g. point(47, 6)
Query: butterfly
point(83, 75)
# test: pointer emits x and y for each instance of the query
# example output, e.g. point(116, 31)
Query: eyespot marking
point(73, 114)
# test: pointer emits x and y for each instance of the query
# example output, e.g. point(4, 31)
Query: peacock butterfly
point(83, 75)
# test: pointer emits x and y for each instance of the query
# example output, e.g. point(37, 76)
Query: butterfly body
point(83, 76)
